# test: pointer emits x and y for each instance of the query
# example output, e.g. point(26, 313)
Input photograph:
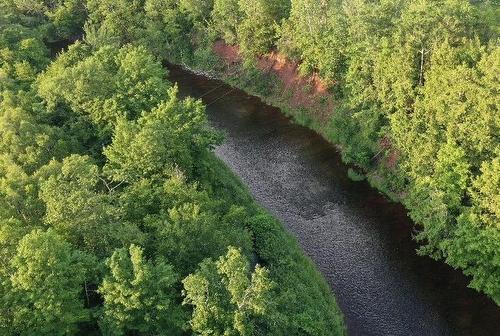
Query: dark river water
point(359, 240)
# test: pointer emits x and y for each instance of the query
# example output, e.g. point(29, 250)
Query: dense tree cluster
point(115, 216)
point(417, 89)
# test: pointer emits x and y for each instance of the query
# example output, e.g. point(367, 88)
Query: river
point(359, 240)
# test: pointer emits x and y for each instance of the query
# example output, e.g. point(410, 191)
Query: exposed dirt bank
point(308, 92)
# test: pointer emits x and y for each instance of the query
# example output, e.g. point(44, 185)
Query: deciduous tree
point(226, 297)
point(46, 285)
point(140, 295)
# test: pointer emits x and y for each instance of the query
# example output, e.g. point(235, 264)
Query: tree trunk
point(421, 77)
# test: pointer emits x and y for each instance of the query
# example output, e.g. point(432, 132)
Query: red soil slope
point(306, 91)
point(229, 53)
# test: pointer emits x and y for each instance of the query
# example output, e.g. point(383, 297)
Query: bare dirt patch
point(229, 53)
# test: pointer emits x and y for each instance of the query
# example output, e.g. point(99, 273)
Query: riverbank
point(301, 290)
point(452, 237)
point(308, 100)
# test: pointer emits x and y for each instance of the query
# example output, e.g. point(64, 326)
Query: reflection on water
point(360, 241)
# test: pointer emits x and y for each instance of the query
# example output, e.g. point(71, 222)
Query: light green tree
point(45, 294)
point(485, 192)
point(81, 206)
point(191, 232)
point(29, 142)
point(107, 85)
point(257, 30)
point(174, 134)
point(167, 26)
point(314, 34)
point(22, 55)
point(114, 22)
point(140, 296)
point(197, 10)
point(63, 19)
point(19, 193)
point(226, 296)
point(475, 248)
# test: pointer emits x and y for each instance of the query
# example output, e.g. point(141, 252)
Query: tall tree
point(174, 134)
point(114, 22)
point(257, 31)
point(81, 206)
point(314, 34)
point(226, 297)
point(45, 293)
point(63, 19)
point(140, 296)
point(106, 85)
point(19, 193)
point(226, 16)
point(191, 232)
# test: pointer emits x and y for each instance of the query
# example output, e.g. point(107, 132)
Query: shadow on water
point(358, 239)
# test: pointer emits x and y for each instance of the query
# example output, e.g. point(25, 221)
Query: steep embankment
point(301, 92)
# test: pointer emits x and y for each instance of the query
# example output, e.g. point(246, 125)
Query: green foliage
point(227, 299)
point(28, 23)
point(45, 286)
point(257, 30)
point(301, 305)
point(175, 134)
point(197, 10)
point(139, 296)
point(27, 136)
point(475, 249)
point(206, 60)
point(64, 18)
point(159, 26)
point(314, 34)
point(355, 175)
point(226, 16)
point(255, 81)
point(417, 84)
point(99, 155)
point(485, 192)
point(18, 193)
point(78, 208)
point(22, 55)
point(113, 22)
point(187, 234)
point(108, 85)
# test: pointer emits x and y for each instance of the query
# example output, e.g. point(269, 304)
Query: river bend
point(360, 241)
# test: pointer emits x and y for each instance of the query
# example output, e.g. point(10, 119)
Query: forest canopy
point(115, 216)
